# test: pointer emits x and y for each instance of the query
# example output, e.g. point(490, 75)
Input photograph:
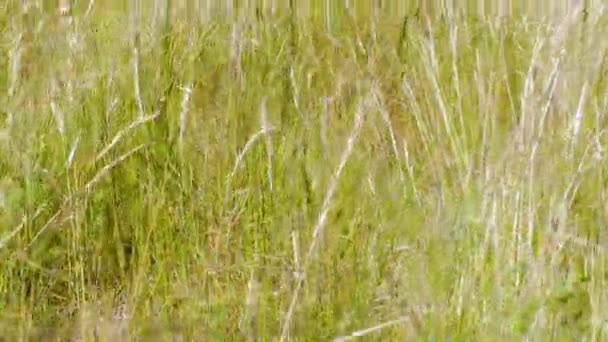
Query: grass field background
point(304, 173)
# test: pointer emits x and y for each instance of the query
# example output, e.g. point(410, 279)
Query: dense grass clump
point(301, 173)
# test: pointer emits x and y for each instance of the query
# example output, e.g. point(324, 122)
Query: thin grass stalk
point(322, 218)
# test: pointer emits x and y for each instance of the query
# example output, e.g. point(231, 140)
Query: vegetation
point(281, 174)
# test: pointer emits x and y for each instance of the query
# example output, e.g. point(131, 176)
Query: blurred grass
point(470, 207)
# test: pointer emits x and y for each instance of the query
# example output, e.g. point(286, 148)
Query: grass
point(279, 175)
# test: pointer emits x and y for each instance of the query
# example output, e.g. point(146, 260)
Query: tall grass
point(272, 174)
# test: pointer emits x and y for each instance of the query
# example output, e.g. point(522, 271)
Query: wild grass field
point(280, 174)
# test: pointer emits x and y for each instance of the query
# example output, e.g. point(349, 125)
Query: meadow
point(301, 173)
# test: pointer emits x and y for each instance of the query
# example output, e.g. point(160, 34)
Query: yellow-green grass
point(258, 175)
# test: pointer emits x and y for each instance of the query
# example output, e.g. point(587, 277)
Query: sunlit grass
point(289, 176)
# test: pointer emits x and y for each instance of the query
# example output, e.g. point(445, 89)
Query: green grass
point(275, 175)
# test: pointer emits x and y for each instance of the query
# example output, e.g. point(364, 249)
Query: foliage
point(301, 176)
